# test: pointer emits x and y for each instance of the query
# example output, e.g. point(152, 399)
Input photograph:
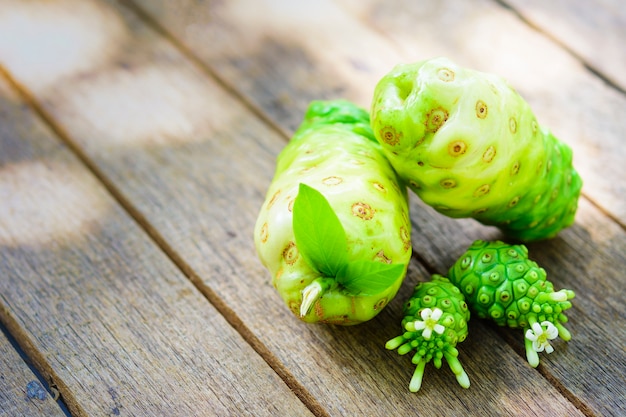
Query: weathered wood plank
point(198, 178)
point(99, 309)
point(277, 68)
point(17, 397)
point(594, 30)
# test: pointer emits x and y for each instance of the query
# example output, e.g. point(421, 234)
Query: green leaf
point(369, 277)
point(319, 234)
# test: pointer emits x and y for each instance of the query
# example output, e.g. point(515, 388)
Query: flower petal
point(437, 313)
point(530, 335)
point(551, 331)
point(419, 325)
point(439, 328)
point(549, 348)
point(426, 313)
point(538, 347)
point(427, 333)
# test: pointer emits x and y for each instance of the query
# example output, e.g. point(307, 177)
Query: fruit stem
point(531, 354)
point(416, 380)
point(313, 292)
point(457, 368)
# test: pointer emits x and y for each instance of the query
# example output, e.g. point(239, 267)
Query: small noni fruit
point(470, 146)
point(334, 230)
point(435, 320)
point(501, 284)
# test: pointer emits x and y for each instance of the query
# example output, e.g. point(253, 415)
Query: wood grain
point(198, 192)
point(190, 158)
point(232, 57)
point(15, 375)
point(100, 310)
point(595, 31)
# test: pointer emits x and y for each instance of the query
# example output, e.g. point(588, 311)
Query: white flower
point(540, 337)
point(429, 323)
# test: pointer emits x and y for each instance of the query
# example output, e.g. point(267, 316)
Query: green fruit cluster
point(498, 282)
point(501, 284)
point(435, 320)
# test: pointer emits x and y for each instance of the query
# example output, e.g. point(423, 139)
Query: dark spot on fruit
point(435, 119)
point(290, 253)
point(264, 232)
point(457, 148)
point(273, 199)
point(447, 183)
point(381, 257)
point(379, 186)
point(389, 135)
point(332, 180)
point(482, 190)
point(515, 168)
point(514, 201)
point(380, 304)
point(489, 154)
point(445, 74)
point(363, 211)
point(481, 109)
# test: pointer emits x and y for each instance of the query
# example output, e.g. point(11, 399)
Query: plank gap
point(196, 61)
point(38, 363)
point(228, 313)
point(620, 222)
point(543, 371)
point(589, 67)
point(31, 362)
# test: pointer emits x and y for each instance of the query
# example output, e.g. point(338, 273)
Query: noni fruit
point(435, 320)
point(334, 230)
point(500, 283)
point(469, 145)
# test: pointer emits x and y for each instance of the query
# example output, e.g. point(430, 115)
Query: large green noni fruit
point(501, 284)
point(334, 230)
point(469, 145)
point(435, 320)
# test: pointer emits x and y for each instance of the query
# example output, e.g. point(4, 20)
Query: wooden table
point(137, 140)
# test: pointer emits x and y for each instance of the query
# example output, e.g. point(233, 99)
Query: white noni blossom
point(541, 337)
point(429, 322)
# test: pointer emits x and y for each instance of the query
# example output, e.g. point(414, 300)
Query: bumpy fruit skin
point(441, 294)
point(501, 284)
point(334, 151)
point(470, 146)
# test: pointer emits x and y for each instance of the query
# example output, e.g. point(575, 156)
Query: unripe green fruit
point(501, 284)
point(470, 146)
point(334, 152)
point(435, 320)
